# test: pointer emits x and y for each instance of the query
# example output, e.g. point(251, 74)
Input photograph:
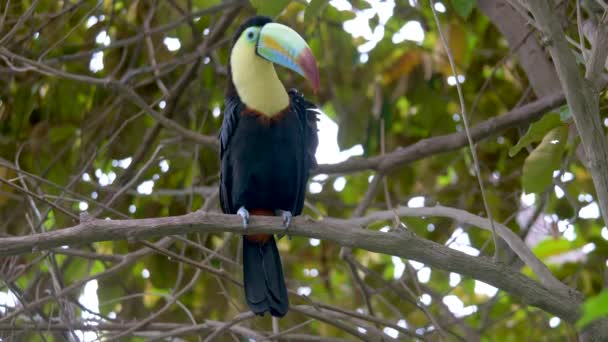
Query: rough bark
point(403, 244)
point(582, 95)
point(533, 59)
point(449, 142)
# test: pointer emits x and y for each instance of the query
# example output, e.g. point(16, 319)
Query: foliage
point(543, 160)
point(594, 308)
point(463, 7)
point(536, 132)
point(72, 142)
point(271, 8)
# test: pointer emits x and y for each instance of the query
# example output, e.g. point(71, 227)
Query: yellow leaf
point(402, 66)
point(457, 43)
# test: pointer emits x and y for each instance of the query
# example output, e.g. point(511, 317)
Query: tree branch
point(533, 59)
point(343, 232)
point(449, 142)
point(121, 89)
point(462, 216)
point(582, 96)
point(385, 163)
point(599, 51)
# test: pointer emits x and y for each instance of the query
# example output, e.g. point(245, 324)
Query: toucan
point(268, 141)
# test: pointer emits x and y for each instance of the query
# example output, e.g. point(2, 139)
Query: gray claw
point(286, 215)
point(242, 212)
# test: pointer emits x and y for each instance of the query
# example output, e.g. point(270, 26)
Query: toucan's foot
point(242, 212)
point(286, 215)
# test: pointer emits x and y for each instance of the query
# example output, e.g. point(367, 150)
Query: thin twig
point(466, 128)
point(239, 318)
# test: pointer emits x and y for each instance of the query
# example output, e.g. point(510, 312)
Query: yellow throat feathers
point(256, 81)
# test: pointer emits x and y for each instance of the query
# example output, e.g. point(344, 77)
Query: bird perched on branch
point(268, 141)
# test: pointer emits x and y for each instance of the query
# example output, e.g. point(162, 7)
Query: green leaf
point(594, 308)
point(549, 247)
point(75, 270)
point(536, 132)
point(61, 133)
point(269, 8)
point(24, 101)
point(314, 9)
point(389, 272)
point(564, 113)
point(97, 268)
point(49, 223)
point(463, 7)
point(546, 157)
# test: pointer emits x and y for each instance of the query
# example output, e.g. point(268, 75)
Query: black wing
point(307, 115)
point(232, 110)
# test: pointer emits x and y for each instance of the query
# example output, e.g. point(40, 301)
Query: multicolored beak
point(284, 46)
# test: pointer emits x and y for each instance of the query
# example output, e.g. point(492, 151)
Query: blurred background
point(95, 100)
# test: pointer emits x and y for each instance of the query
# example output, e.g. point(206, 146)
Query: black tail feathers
point(265, 289)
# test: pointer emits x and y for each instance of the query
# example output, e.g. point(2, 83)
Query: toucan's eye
point(251, 35)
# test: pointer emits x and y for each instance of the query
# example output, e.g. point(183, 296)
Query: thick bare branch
point(530, 53)
point(462, 216)
point(343, 232)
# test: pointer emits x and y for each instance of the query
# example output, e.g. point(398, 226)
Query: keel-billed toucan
point(268, 141)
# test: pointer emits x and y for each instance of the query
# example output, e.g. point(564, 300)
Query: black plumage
point(266, 161)
point(265, 165)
